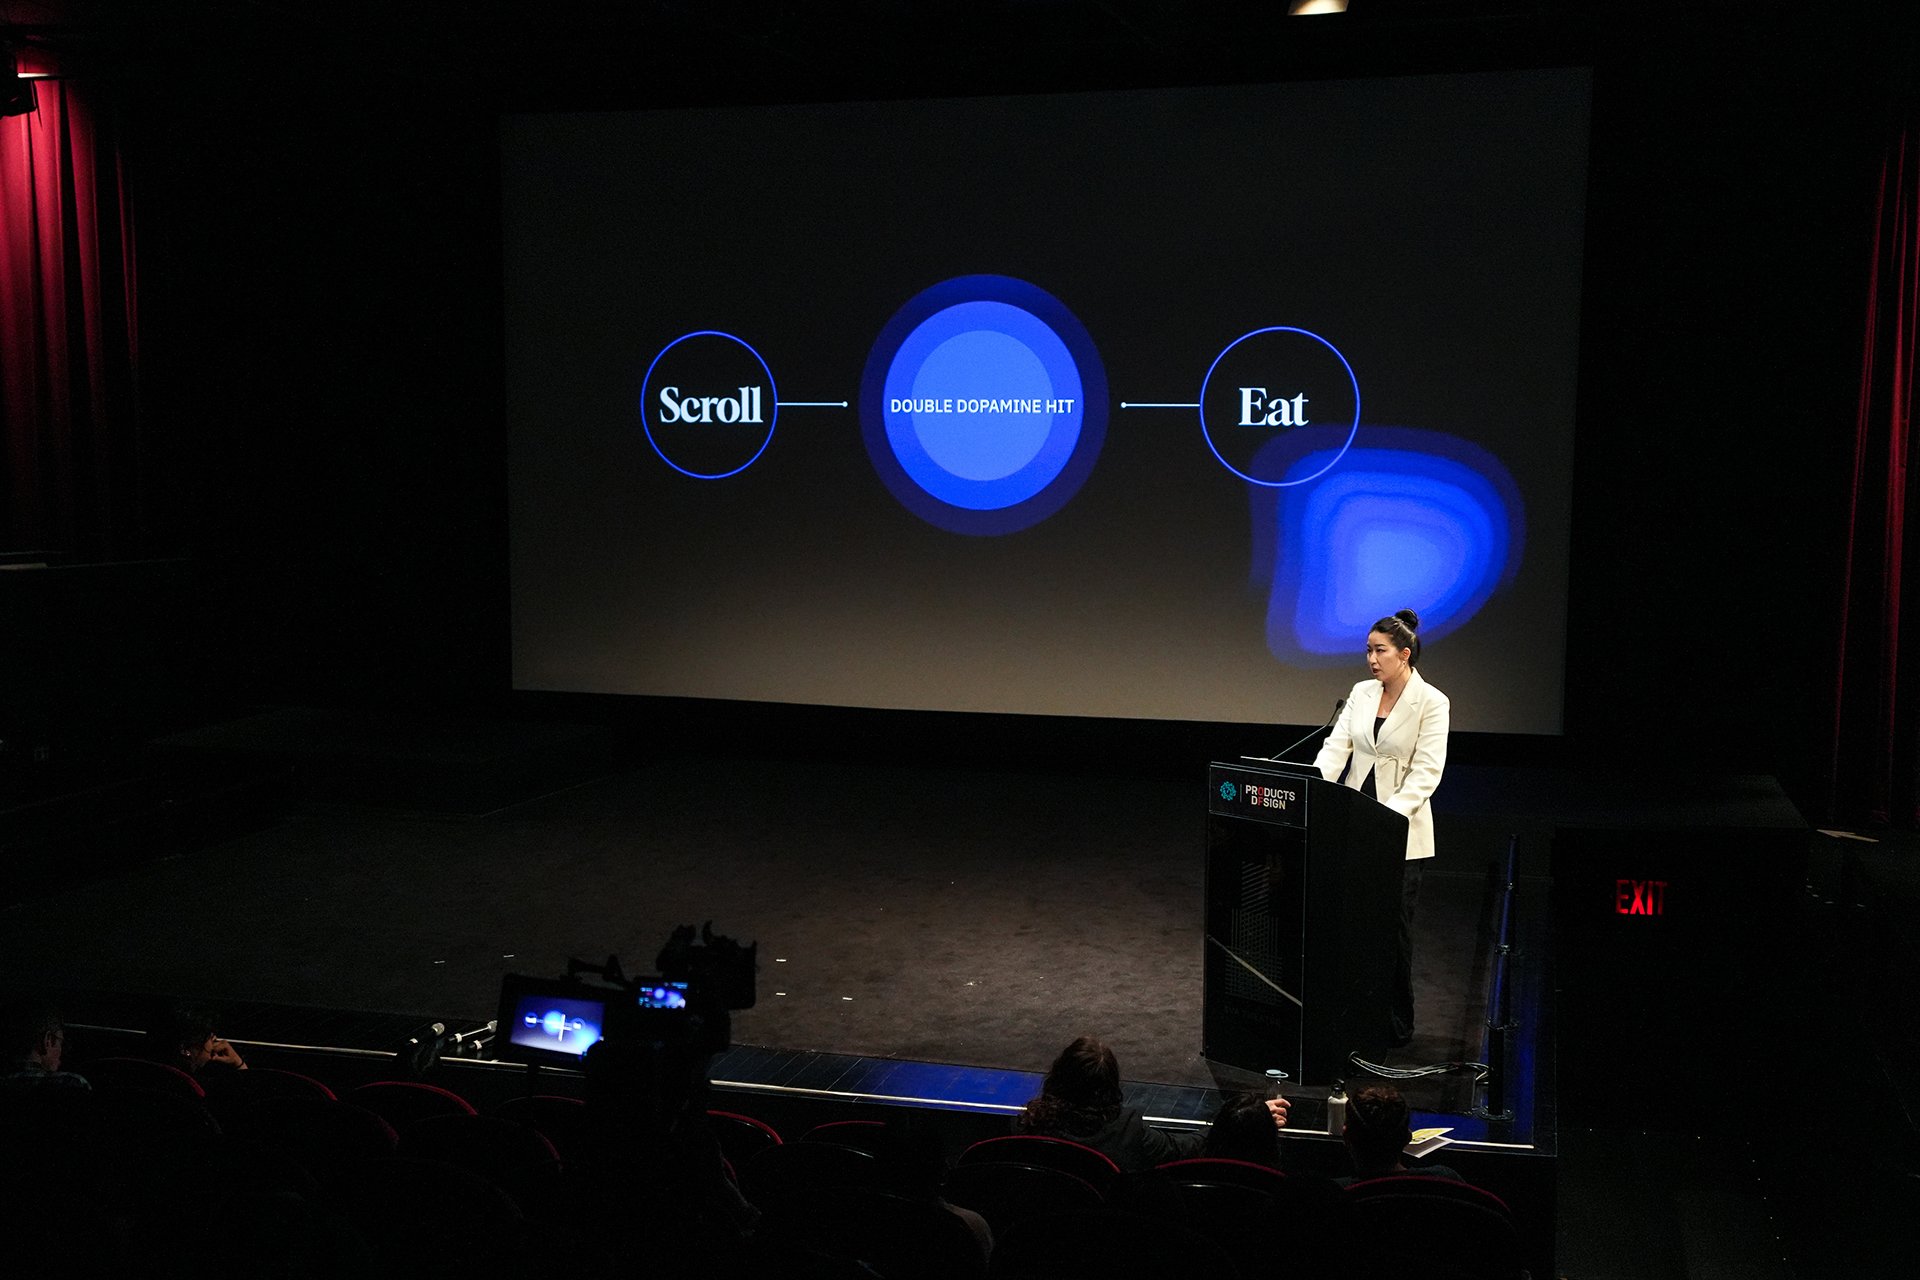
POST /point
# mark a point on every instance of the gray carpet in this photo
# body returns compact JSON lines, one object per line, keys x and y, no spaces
{"x":945,"y":915}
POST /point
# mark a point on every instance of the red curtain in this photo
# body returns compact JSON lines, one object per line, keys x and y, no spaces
{"x":1875,"y":748}
{"x":73,"y":474}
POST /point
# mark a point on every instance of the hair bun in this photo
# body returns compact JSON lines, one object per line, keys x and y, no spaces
{"x":1409,"y":617}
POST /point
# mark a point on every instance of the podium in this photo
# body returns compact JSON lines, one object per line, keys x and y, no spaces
{"x":1302,"y":907}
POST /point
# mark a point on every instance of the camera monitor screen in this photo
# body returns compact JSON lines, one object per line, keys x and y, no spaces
{"x":549,"y":1022}
{"x":553,"y":1022}
{"x":658,"y":993}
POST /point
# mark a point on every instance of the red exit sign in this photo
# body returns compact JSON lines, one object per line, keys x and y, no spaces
{"x":1640,"y":897}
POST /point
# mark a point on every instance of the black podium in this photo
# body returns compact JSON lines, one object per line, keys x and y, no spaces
{"x":1302,"y":904}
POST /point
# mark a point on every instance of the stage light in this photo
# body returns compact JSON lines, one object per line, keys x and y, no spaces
{"x":1301,"y":8}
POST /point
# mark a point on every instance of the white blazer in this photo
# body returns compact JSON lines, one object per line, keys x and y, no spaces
{"x":1410,"y":755}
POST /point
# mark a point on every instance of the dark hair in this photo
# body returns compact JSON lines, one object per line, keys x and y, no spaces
{"x":1403,"y":628}
{"x":1377,"y":1125}
{"x":1243,"y":1129}
{"x":24,"y":1026}
{"x":175,"y":1030}
{"x":1080,"y":1095}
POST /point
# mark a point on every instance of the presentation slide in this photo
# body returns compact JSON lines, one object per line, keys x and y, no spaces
{"x":1138,"y":404}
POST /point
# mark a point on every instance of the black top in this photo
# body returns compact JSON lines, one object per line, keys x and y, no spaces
{"x":1366,"y":787}
{"x":1133,"y":1144}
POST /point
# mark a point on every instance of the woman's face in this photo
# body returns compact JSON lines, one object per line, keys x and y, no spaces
{"x":1385,"y":662}
{"x":199,"y":1055}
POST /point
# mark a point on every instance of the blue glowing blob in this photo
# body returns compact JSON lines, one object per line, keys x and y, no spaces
{"x":1408,"y":519}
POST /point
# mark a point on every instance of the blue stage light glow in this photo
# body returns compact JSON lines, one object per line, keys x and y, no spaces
{"x":1409,"y":519}
{"x":983,"y":405}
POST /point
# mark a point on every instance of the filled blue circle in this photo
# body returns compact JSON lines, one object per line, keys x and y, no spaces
{"x":983,"y":405}
{"x":1010,"y":441}
{"x":982,"y":459}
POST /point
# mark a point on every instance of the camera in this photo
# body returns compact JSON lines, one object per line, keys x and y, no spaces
{"x":686,"y":1006}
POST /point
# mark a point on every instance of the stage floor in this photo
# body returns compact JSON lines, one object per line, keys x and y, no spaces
{"x":905,"y":915}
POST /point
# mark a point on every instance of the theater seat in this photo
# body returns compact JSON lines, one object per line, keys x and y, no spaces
{"x":867,"y":1135}
{"x":151,"y":1121}
{"x":564,"y":1121}
{"x":1449,"y":1229}
{"x":1106,"y":1246}
{"x":894,"y":1235}
{"x":139,"y":1073}
{"x":517,"y":1159}
{"x":1214,"y":1171}
{"x":231,"y":1091}
{"x":401,"y":1102}
{"x":1005,"y":1193}
{"x":793,"y":1171}
{"x":423,"y":1218}
{"x":1083,"y":1162}
{"x":328,"y":1138}
{"x":741,"y":1137}
{"x":1246,"y":1222}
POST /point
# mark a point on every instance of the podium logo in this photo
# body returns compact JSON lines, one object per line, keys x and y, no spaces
{"x":1271,"y":797}
{"x":1229,"y":792}
{"x":708,"y":405}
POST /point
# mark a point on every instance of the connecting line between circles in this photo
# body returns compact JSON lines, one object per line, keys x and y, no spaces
{"x":1143,"y":404}
{"x":809,"y":404}
{"x":1255,"y":972}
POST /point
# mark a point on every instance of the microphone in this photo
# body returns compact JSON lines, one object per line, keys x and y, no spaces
{"x":1339,"y":705}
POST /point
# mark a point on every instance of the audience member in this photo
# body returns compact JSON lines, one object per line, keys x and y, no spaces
{"x":1081,"y":1100}
{"x":1244,"y":1129}
{"x":32,"y":1040}
{"x":186,"y":1038}
{"x":1379,"y":1127}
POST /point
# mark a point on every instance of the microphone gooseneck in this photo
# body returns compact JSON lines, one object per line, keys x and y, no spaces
{"x":1339,"y":705}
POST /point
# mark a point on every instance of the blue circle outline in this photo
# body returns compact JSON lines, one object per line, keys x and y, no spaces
{"x":772,"y":394}
{"x":1206,"y":432}
{"x":1045,"y":308}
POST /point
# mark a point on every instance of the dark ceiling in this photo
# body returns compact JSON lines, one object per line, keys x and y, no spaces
{"x":585,"y":53}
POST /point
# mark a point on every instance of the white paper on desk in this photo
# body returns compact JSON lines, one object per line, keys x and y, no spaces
{"x":1427,"y":1141}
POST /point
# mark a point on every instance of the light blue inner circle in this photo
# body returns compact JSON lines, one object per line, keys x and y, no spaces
{"x":984,"y":445}
{"x":992,"y":457}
